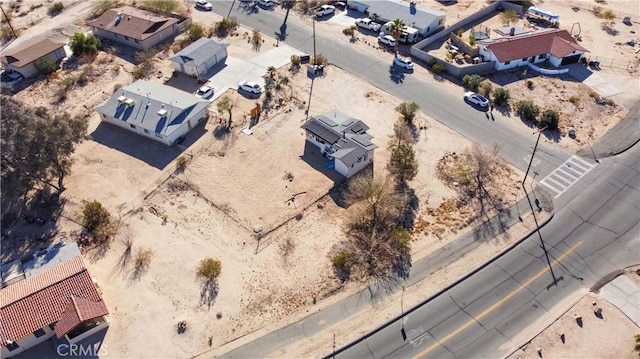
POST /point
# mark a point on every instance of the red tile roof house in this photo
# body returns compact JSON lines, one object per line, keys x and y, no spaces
{"x":136,"y":28}
{"x":60,"y":299}
{"x":556,"y":46}
{"x":22,"y":59}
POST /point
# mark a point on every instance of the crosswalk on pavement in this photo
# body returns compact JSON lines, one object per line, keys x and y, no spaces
{"x":565,"y":175}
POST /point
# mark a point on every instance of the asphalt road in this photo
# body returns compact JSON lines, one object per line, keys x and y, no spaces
{"x":594,"y":230}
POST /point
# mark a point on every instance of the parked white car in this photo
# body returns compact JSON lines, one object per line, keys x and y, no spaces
{"x":387,"y":40}
{"x":325,"y":10}
{"x":403,"y":62}
{"x":368,"y":24}
{"x":476,"y":99}
{"x":204,"y":5}
{"x":205,"y":92}
{"x":267,"y":4}
{"x":250,"y":87}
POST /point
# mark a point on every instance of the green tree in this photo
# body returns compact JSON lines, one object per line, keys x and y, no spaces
{"x":95,"y":216}
{"x":527,"y":110}
{"x":225,"y":26}
{"x":549,"y":119}
{"x":82,"y":44}
{"x":408,"y":110}
{"x":509,"y":17}
{"x":472,"y":40}
{"x":36,"y":147}
{"x":45,"y":65}
{"x":396,"y":27}
{"x":403,"y":164}
{"x":287,"y":5}
{"x":485,"y":89}
{"x":162,"y":7}
{"x":471,"y":82}
{"x":195,"y":31}
{"x":501,"y":96}
{"x":272,"y":72}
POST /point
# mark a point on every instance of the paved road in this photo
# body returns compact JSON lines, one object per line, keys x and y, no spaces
{"x":594,"y":231}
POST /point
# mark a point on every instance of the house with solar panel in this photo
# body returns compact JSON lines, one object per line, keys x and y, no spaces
{"x":52,"y":295}
{"x":158,"y":112}
{"x":343,"y":140}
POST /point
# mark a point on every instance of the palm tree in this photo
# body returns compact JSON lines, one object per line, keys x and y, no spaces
{"x":396,"y":28}
{"x":288,"y":5}
{"x":272,"y":72}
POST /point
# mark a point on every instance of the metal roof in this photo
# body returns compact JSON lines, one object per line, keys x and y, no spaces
{"x":199,"y":51}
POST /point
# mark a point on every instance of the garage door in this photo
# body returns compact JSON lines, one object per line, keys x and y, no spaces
{"x":570,"y":59}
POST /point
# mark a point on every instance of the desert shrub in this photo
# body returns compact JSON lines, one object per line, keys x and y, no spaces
{"x":439,"y":68}
{"x":256,"y":39}
{"x":407,"y":110}
{"x":115,"y":69}
{"x":575,"y":100}
{"x":195,"y":31}
{"x":348,"y":31}
{"x":143,"y":259}
{"x":341,"y":263}
{"x":472,"y":40}
{"x":55,"y":9}
{"x":608,"y":15}
{"x":225,"y":26}
{"x":163,"y":7}
{"x":320,"y":59}
{"x":527,"y":110}
{"x":117,"y":87}
{"x":181,"y":163}
{"x":209,"y":269}
{"x":6,"y":34}
{"x":460,"y":32}
{"x":295,"y":60}
{"x":485,"y":89}
{"x":501,"y":96}
{"x":82,"y":44}
{"x":45,"y":65}
{"x":529,"y":84}
{"x":549,"y":119}
{"x":431,"y":62}
{"x":103,"y":5}
{"x":138,"y":72}
{"x":472,"y":81}
{"x":597,"y":11}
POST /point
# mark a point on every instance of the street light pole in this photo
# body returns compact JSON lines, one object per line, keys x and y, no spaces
{"x":533,"y":154}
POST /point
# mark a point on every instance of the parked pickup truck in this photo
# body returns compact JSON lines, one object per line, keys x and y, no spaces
{"x":366,"y":23}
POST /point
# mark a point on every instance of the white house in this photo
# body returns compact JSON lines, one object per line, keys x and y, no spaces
{"x":343,"y":139}
{"x":134,"y":27}
{"x":515,"y":48}
{"x":156,"y":111}
{"x":197,"y":58}
{"x":22,"y":59}
{"x":53,"y":294}
{"x":426,"y":21}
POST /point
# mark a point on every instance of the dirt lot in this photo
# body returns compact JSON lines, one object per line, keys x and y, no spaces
{"x":230,"y":187}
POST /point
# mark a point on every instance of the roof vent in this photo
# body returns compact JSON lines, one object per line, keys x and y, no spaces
{"x":162,"y":112}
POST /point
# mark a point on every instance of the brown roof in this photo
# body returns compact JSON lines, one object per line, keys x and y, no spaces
{"x":559,"y":43}
{"x":39,"y":300}
{"x":134,"y":23}
{"x":77,"y":311}
{"x":29,"y":52}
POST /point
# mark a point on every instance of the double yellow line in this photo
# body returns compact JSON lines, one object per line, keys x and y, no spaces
{"x":498,"y":303}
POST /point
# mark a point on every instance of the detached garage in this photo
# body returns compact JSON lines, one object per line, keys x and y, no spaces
{"x":197,"y":58}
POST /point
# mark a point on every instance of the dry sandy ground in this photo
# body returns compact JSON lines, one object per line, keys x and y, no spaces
{"x":262,"y":286}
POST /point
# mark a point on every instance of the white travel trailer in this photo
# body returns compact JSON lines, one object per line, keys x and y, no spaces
{"x":408,"y":35}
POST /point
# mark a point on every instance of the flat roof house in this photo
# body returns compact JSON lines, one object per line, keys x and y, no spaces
{"x":343,"y":139}
{"x":156,"y":111}
{"x":51,"y":294}
{"x":134,"y":27}
{"x":197,"y":58}
{"x":516,"y":47}
{"x":22,"y":59}
{"x":427,"y":21}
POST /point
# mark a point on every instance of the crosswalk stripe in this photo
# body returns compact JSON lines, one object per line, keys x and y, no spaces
{"x":565,"y":175}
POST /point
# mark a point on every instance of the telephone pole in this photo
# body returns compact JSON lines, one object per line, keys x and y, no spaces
{"x":9,"y":23}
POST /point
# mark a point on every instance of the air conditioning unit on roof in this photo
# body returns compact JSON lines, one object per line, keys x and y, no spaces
{"x":122,"y":99}
{"x":130,"y":102}
{"x":162,"y":112}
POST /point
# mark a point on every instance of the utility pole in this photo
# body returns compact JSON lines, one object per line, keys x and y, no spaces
{"x":314,"y":39}
{"x":533,"y":154}
{"x":231,"y":8}
{"x":9,"y":23}
{"x":334,"y":345}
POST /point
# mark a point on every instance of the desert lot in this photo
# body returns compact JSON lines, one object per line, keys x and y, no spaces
{"x":269,"y":182}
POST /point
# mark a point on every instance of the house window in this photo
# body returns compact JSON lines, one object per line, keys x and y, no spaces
{"x":147,"y":131}
{"x":12,"y":346}
{"x":507,"y":63}
{"x":40,"y":332}
{"x":132,"y":126}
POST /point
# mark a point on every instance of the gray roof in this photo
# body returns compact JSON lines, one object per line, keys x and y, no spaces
{"x":391,"y":10}
{"x":42,"y":260}
{"x":198,"y":51}
{"x":348,"y":135}
{"x":156,"y":107}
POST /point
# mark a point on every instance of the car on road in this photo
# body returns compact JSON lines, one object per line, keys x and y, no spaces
{"x":266,"y":4}
{"x":249,"y":86}
{"x":205,"y":92}
{"x":325,"y":10}
{"x":403,"y":62}
{"x":204,"y":5}
{"x":387,"y":40}
{"x":476,"y":99}
{"x":367,"y":24}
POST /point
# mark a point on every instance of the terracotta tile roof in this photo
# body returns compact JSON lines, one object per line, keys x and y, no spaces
{"x":134,"y":23}
{"x":559,"y":43}
{"x":29,"y":52}
{"x":77,"y":311}
{"x":41,"y":299}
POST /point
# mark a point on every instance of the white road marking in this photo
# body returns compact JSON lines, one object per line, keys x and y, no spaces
{"x":571,"y":171}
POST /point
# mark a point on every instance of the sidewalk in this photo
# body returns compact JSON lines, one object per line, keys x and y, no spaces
{"x":617,"y":140}
{"x":491,"y":235}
